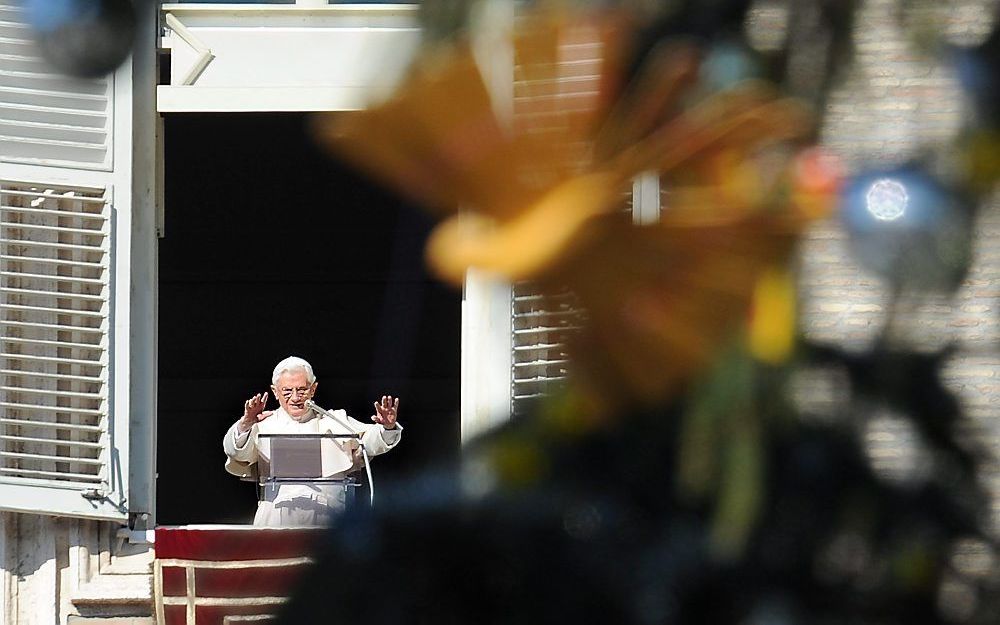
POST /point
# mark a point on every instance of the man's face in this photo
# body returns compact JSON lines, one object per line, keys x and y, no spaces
{"x":292,"y":391}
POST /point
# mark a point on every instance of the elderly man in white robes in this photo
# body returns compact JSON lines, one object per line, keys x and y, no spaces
{"x":302,"y":504}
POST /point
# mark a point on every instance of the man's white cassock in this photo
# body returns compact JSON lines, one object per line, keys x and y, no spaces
{"x":305,"y":504}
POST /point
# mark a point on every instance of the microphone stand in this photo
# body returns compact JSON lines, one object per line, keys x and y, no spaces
{"x":364,"y":452}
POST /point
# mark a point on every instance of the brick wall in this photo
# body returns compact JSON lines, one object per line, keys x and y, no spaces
{"x":895,"y":103}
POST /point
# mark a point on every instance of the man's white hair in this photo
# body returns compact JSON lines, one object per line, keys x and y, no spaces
{"x":293,"y":363}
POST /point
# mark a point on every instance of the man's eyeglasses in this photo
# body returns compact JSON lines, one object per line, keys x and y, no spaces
{"x":288,"y":393}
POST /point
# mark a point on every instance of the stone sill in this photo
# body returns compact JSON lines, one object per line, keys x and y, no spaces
{"x":116,"y":590}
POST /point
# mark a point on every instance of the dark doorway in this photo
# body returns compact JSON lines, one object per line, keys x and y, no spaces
{"x":272,"y":248}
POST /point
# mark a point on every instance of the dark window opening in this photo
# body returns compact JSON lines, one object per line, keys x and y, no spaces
{"x":274,"y":248}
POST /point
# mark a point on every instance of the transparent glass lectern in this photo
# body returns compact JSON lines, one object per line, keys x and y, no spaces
{"x":313,"y":459}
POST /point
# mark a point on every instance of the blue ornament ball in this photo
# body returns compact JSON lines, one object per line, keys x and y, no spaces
{"x":85,"y":38}
{"x":907,"y":227}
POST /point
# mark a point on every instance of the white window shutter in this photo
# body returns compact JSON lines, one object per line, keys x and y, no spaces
{"x":47,"y":117}
{"x":55,"y":249}
{"x":542,"y":325}
{"x":64,"y":282}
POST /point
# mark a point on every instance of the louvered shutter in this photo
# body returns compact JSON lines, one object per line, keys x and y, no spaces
{"x":62,"y":449}
{"x":47,"y":117}
{"x":542,"y":324}
{"x":54,"y":294}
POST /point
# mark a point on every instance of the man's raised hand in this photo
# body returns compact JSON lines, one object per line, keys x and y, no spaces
{"x":253,"y":412}
{"x":386,"y":412}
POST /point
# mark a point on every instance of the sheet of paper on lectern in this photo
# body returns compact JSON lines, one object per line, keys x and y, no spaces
{"x":293,"y":457}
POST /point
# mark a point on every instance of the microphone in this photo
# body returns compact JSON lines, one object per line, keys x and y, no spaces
{"x":364,"y":452}
{"x":310,"y":404}
{"x":326,"y":413}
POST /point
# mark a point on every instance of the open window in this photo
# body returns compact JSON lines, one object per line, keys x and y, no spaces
{"x":273,"y":248}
